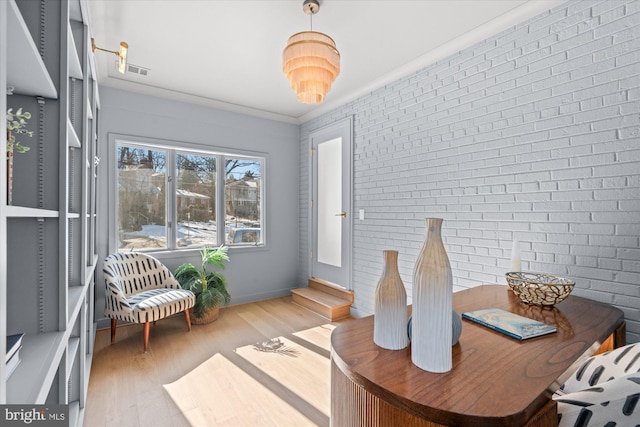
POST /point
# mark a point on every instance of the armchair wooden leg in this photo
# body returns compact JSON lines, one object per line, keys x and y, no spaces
{"x":187,"y":316}
{"x":113,"y":330}
{"x":146,"y":328}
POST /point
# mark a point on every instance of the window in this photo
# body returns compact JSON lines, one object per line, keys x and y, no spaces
{"x":242,"y":196}
{"x":196,"y":200}
{"x":197,"y":205}
{"x":142,"y":201}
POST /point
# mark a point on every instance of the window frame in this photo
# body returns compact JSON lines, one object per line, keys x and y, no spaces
{"x":173,"y":148}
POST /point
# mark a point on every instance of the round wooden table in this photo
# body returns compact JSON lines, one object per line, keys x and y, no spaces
{"x":495,"y":381}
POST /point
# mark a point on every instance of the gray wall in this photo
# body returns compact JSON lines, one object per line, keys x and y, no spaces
{"x":533,"y":134}
{"x":253,"y":273}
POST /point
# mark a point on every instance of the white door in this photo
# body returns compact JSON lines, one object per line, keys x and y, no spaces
{"x":331,"y":203}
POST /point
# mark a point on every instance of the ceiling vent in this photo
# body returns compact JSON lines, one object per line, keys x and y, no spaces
{"x":136,"y":69}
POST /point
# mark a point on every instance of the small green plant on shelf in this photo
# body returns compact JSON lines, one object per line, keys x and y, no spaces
{"x":210,"y":287}
{"x":16,"y":125}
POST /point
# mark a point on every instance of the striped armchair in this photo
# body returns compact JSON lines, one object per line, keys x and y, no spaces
{"x":139,"y":289}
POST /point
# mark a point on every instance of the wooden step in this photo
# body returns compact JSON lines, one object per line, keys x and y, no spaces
{"x":324,"y":300}
{"x":330,"y":288}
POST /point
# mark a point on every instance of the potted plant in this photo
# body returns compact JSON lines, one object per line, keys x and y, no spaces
{"x":210,"y":287}
{"x":16,"y":124}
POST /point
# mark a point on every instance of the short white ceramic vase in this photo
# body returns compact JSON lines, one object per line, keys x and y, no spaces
{"x":390,"y":315}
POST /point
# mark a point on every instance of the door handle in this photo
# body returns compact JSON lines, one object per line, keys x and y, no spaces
{"x":342,"y":214}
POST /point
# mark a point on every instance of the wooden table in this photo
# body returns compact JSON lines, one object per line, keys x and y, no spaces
{"x":495,"y":380}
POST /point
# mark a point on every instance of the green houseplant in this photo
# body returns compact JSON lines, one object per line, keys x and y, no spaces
{"x":16,"y":125}
{"x":210,"y":287}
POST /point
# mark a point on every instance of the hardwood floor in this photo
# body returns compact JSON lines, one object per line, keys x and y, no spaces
{"x":260,"y":364}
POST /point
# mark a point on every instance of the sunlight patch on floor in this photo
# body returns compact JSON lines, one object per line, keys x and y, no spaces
{"x":319,"y":336}
{"x":302,"y":371}
{"x":220,"y":393}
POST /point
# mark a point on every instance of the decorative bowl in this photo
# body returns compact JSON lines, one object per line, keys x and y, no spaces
{"x":539,"y":288}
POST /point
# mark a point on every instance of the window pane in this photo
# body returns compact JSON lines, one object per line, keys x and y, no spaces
{"x":330,"y":202}
{"x":141,"y":199}
{"x":243,"y":195}
{"x":196,"y":200}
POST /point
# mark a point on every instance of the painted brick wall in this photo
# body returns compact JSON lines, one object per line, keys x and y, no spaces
{"x":533,"y":134}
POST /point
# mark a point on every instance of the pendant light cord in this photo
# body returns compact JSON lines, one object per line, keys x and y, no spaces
{"x":309,"y":9}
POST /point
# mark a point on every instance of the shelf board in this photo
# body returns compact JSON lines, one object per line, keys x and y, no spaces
{"x":74,"y":344}
{"x":76,"y":298}
{"x":26,"y":71}
{"x":75,"y":69}
{"x":97,"y":95}
{"x":23,"y":212}
{"x":74,"y":414}
{"x":88,"y":362}
{"x":90,"y":346}
{"x":73,"y":215}
{"x":92,"y":66}
{"x":72,"y":136}
{"x":89,"y":272}
{"x":90,"y":109}
{"x":75,"y":11}
{"x":32,"y":379}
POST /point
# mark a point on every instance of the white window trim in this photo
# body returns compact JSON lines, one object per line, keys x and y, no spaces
{"x":162,"y":144}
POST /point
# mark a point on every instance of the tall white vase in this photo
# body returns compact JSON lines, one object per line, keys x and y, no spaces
{"x":390,"y":316}
{"x":432,"y":296}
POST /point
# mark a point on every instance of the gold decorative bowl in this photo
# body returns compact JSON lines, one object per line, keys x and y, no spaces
{"x":539,"y":288}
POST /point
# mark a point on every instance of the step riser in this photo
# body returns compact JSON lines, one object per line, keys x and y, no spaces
{"x":341,"y":312}
{"x":335,"y":312}
{"x":321,"y":286}
{"x":312,"y":305}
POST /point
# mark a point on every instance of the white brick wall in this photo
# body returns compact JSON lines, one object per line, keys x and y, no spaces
{"x":533,"y":134}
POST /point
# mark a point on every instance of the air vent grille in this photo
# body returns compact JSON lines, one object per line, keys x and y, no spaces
{"x":136,"y":69}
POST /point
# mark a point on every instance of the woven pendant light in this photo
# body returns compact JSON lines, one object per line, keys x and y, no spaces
{"x":310,"y":61}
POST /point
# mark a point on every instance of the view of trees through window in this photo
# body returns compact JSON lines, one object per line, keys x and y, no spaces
{"x":142,"y":207}
{"x":145,"y":218}
{"x":196,"y":200}
{"x":242,"y":196}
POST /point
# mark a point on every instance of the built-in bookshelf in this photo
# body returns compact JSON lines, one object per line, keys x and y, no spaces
{"x":48,"y":249}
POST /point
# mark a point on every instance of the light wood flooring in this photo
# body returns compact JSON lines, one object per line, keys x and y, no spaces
{"x":260,"y":364}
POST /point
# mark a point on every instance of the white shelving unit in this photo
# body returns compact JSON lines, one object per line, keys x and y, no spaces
{"x":75,"y":69}
{"x":48,"y":252}
{"x":22,"y":212}
{"x":29,"y":76}
{"x":74,"y":141}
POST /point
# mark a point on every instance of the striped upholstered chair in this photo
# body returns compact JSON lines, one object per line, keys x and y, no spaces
{"x":139,"y":289}
{"x":604,"y":391}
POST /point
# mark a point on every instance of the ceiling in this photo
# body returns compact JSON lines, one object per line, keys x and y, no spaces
{"x":227,"y":54}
